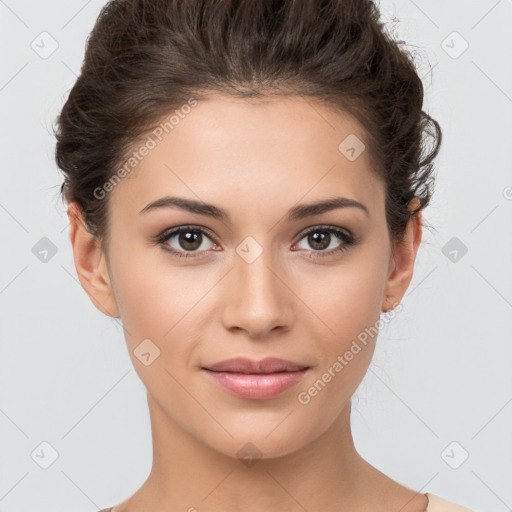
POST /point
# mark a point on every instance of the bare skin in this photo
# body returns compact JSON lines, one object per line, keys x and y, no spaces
{"x":256,"y":161}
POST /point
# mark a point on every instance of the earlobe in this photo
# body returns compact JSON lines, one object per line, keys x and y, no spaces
{"x":403,"y":259}
{"x":90,"y":263}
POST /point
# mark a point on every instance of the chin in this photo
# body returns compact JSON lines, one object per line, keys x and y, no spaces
{"x":253,"y":440}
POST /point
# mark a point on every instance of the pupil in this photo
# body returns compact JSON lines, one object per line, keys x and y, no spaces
{"x":190,"y":240}
{"x":317,"y":238}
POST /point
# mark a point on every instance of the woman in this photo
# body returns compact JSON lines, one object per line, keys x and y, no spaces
{"x":245,"y":184}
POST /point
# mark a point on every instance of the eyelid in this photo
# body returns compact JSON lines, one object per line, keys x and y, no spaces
{"x":170,"y":232}
{"x":326,"y":227}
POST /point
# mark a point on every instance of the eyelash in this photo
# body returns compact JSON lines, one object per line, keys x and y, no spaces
{"x":348,"y":240}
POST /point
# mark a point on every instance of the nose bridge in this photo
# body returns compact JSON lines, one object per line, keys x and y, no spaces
{"x":258,"y":299}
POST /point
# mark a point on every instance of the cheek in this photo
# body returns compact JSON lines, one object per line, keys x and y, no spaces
{"x":156,"y":303}
{"x":144,"y":305}
{"x":346,"y":298}
{"x":348,"y":305}
{"x":156,"y":299}
{"x":347,"y":302}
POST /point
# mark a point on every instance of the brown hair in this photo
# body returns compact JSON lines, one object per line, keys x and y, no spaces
{"x":147,"y":58}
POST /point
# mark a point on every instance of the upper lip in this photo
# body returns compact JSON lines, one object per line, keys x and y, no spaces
{"x":246,"y":365}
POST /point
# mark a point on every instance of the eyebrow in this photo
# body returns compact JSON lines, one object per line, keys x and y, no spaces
{"x":296,"y":213}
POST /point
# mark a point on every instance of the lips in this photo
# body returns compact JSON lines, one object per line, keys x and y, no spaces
{"x":255,"y":380}
{"x":246,"y":365}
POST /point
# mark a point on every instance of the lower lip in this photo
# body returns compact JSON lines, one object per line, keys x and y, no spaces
{"x":255,"y":386}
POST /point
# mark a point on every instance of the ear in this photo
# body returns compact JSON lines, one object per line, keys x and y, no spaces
{"x":91,"y":263}
{"x":402,"y":261}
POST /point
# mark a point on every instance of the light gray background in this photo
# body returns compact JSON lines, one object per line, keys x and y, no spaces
{"x":441,"y":372}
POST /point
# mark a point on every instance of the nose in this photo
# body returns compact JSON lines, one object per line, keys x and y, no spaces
{"x":257,"y":299}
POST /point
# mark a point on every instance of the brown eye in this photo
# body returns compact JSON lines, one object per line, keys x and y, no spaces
{"x":322,"y":238}
{"x":184,"y":241}
{"x":190,"y":240}
{"x":318,"y":240}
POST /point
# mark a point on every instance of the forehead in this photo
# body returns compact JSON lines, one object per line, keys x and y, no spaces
{"x":253,"y":155}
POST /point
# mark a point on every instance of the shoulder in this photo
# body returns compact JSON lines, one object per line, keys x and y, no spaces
{"x":438,"y":504}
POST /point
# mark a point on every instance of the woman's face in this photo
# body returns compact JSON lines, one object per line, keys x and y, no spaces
{"x":252,"y":283}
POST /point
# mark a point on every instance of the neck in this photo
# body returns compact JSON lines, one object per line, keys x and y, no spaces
{"x":327,"y":474}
